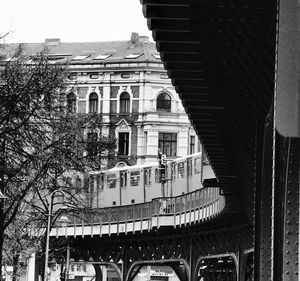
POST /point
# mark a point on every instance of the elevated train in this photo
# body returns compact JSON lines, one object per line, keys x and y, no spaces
{"x":141,"y":183}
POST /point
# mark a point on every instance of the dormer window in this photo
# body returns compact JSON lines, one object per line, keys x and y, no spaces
{"x":124,"y":103}
{"x":71,"y":102}
{"x":102,"y":57}
{"x":133,"y":56}
{"x":80,"y":57}
{"x":163,"y":102}
{"x":93,"y":103}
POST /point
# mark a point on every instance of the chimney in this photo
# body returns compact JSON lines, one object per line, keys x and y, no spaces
{"x":134,"y":38}
{"x":143,"y":39}
{"x":52,"y":41}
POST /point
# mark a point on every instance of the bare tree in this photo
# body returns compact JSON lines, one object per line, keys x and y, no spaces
{"x":41,"y":141}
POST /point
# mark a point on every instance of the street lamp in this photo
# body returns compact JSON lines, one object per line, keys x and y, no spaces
{"x":48,"y":230}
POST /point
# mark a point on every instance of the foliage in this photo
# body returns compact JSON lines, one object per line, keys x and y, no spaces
{"x":18,"y":244}
{"x":41,"y":142}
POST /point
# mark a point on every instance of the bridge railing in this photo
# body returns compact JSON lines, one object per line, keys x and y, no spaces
{"x":192,"y":207}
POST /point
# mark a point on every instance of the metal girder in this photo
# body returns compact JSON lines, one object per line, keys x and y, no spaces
{"x":193,"y":67}
{"x":187,"y":75}
{"x":166,"y":2}
{"x":189,"y":83}
{"x":221,"y":53}
{"x":182,"y":25}
{"x":195,"y":98}
{"x":291,"y":212}
{"x":166,"y":12}
{"x":186,"y":47}
{"x":183,"y":58}
{"x":182,"y":37}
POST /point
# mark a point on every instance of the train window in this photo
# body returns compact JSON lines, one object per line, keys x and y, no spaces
{"x":123,"y":179}
{"x":157,"y":176}
{"x":167,"y":172}
{"x":114,"y":203}
{"x":181,"y":170}
{"x":134,"y":178}
{"x":197,"y":165}
{"x":205,"y":159}
{"x":100,"y":181}
{"x":189,"y":167}
{"x":173,"y":173}
{"x":92,"y":182}
{"x":147,"y":176}
{"x":192,"y":144}
{"x":132,"y":201}
{"x":111,"y":181}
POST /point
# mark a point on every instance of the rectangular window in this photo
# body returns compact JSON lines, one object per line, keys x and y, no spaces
{"x":205,"y":160}
{"x":199,"y":146}
{"x":198,"y":165}
{"x":123,"y":143}
{"x":125,"y":106}
{"x":111,"y":181}
{"x":147,"y":176}
{"x":92,"y":140}
{"x":180,"y":168}
{"x":167,"y":143}
{"x":100,"y":182}
{"x":134,"y":178}
{"x":189,"y":167}
{"x":123,"y":179}
{"x":192,"y":144}
{"x":157,"y":172}
{"x":173,"y":167}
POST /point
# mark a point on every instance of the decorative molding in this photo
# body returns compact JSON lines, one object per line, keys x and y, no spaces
{"x":122,"y":125}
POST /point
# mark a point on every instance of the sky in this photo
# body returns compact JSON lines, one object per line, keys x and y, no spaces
{"x":30,"y":21}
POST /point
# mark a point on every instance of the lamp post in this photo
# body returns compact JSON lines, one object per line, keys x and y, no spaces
{"x":48,"y":231}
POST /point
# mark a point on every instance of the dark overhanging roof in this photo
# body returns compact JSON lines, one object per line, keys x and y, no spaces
{"x":220,"y":55}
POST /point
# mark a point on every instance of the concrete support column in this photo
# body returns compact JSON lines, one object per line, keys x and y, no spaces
{"x":98,"y":272}
{"x":125,"y":264}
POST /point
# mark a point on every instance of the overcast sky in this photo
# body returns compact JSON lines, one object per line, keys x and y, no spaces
{"x":71,"y":20}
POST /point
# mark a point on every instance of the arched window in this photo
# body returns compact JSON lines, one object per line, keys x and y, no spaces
{"x":124,"y":103}
{"x":163,"y":102}
{"x":71,"y":102}
{"x":93,"y":103}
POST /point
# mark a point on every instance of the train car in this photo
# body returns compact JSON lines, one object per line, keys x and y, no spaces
{"x":141,"y":183}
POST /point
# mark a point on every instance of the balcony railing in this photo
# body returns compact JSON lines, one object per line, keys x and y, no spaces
{"x":195,"y":207}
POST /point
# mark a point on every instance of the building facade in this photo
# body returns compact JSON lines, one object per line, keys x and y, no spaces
{"x":125,"y":88}
{"x":126,"y":84}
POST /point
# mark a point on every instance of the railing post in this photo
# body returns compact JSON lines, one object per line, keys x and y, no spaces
{"x":199,"y":207}
{"x":118,"y":222}
{"x":174,"y":211}
{"x":141,"y":206}
{"x":126,"y":219}
{"x":158,"y":207}
{"x":82,"y":223}
{"x":109,"y":221}
{"x":92,"y":226}
{"x":185,"y":199}
{"x":149,"y":217}
{"x":133,"y":219}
